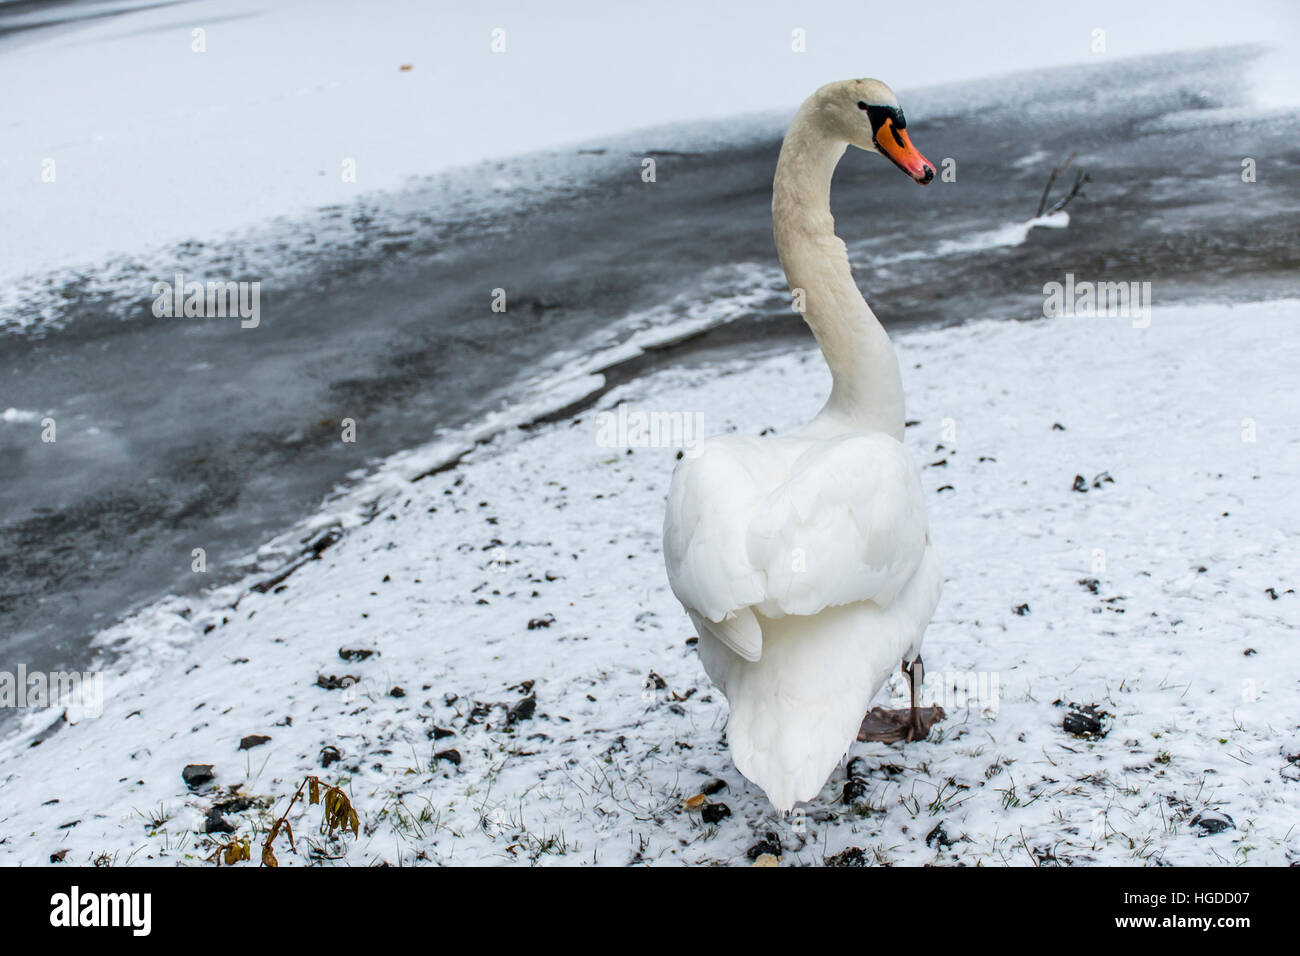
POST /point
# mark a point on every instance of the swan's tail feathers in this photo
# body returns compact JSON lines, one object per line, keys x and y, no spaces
{"x":796,"y":711}
{"x":740,"y":632}
{"x":798,"y":686}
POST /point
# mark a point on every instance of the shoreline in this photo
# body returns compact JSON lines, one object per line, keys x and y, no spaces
{"x":147,"y":468}
{"x":429,"y":553}
{"x":559,"y":398}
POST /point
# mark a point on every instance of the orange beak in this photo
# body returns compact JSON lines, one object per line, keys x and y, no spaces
{"x":896,"y":145}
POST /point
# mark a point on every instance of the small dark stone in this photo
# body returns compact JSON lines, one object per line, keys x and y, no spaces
{"x":713,"y":786}
{"x":328,"y":539}
{"x":771,"y":843}
{"x":854,"y":785}
{"x":438,"y":733}
{"x":1212,"y":821}
{"x":1081,"y":484}
{"x":214,"y":822}
{"x":197,"y":774}
{"x":397,"y":692}
{"x":451,"y":756}
{"x":253,"y":740}
{"x":234,"y":804}
{"x":1058,"y":427}
{"x":715,"y":812}
{"x":329,"y":754}
{"x":537,"y":623}
{"x":336,"y":683}
{"x":1090,"y":584}
{"x":1021,"y":610}
{"x":1086,"y":721}
{"x":523,"y":710}
{"x":850,"y":856}
{"x":353,"y":654}
{"x":655,"y":681}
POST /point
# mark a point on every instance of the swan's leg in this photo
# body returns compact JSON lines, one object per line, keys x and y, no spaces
{"x":921,"y":718}
{"x":910,"y":724}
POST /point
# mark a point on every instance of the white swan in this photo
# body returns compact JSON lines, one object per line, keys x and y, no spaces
{"x":805,"y":561}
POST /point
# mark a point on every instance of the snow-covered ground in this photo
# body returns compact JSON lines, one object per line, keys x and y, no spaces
{"x":531,"y":569}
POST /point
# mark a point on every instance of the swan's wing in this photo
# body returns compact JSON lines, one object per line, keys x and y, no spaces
{"x":848,"y":524}
{"x":746,"y":529}
{"x":713,"y":497}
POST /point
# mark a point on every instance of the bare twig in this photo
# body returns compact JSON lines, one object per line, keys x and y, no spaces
{"x":1081,"y":178}
{"x":268,"y":855}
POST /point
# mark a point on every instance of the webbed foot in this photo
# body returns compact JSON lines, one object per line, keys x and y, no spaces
{"x":904,"y":723}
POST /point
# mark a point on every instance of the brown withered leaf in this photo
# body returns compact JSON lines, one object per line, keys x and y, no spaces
{"x":236,"y":851}
{"x":339,"y":814}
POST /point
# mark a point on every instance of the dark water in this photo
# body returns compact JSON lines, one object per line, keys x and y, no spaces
{"x":175,"y":434}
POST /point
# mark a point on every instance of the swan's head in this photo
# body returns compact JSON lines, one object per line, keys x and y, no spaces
{"x":866,"y":114}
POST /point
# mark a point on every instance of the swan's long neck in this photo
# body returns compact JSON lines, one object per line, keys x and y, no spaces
{"x":867,"y":390}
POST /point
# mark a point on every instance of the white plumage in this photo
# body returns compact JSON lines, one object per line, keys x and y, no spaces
{"x":804,"y":561}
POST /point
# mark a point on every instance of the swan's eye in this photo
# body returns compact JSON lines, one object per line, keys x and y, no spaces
{"x":878,"y":114}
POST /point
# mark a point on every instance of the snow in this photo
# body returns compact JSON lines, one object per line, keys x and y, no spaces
{"x":1010,"y":234}
{"x":1147,"y":596}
